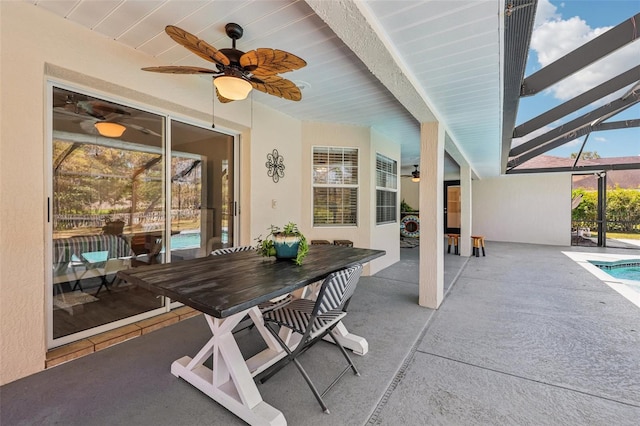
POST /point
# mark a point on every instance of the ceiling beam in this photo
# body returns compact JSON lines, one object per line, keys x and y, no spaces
{"x":599,"y":114}
{"x":594,"y":168}
{"x":599,"y":47}
{"x":626,"y":124}
{"x":358,"y":28}
{"x":598,"y":92}
{"x":518,"y":28}
{"x":348,"y":21}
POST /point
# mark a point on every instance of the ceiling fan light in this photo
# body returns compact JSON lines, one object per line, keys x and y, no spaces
{"x":109,"y":129}
{"x":231,"y":87}
{"x":415,"y":179}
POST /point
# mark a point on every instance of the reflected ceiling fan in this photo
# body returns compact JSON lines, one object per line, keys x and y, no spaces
{"x":238,"y":72}
{"x":415,"y":175}
{"x":99,"y":115}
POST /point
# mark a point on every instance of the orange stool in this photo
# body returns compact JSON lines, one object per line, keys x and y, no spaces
{"x":478,"y":241}
{"x":452,"y":239}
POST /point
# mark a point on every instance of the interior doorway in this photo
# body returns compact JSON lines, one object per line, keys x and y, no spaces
{"x":452,"y":207}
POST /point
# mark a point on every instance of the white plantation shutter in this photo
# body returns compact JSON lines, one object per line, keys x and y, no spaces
{"x":386,"y":189}
{"x":335,"y":186}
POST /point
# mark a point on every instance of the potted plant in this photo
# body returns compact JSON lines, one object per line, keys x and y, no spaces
{"x":112,"y":227}
{"x":285,"y":243}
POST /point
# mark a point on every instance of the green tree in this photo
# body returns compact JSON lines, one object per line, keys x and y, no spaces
{"x":586,"y":155}
{"x":623,"y":209}
{"x":587,"y":210}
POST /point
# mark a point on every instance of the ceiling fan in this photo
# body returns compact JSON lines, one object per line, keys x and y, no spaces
{"x":238,"y":72}
{"x":101,"y":116}
{"x":415,"y":175}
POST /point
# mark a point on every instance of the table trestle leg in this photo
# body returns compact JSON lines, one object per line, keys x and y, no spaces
{"x":230,"y":383}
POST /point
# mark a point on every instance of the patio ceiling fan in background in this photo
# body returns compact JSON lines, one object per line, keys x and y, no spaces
{"x":238,"y":72}
{"x":415,"y":175}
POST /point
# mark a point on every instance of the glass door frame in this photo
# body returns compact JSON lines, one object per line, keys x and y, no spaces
{"x":447,"y":184}
{"x":52,"y":82}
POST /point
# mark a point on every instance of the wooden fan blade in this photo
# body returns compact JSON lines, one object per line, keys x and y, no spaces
{"x":196,"y":45}
{"x":277,"y":86}
{"x":143,"y":130}
{"x":222,"y":99}
{"x":175,"y":69}
{"x":263,"y":62}
{"x":97,"y":109}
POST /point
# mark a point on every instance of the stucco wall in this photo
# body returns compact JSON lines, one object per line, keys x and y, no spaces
{"x":273,"y":130}
{"x":326,"y":134}
{"x":410,"y":192}
{"x":386,"y":236}
{"x":27,"y":59}
{"x":366,"y":233}
{"x":523,"y":208}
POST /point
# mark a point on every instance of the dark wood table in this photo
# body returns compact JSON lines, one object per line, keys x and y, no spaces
{"x":226,"y":289}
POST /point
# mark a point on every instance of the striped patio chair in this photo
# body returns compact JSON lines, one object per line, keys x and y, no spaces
{"x":230,"y":250}
{"x":313,"y":320}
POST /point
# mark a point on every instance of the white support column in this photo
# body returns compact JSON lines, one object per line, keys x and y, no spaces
{"x":431,"y":281}
{"x":465,"y":213}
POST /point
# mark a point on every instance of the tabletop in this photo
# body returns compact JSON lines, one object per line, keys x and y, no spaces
{"x":223,"y":285}
{"x":95,"y":257}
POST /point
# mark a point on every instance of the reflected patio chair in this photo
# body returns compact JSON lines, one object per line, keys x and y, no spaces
{"x":314,"y":320}
{"x":266,"y":306}
{"x":110,"y":267}
{"x":150,"y":258}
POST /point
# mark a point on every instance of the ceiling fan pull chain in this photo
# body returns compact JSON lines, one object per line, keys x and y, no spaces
{"x":213,"y":105}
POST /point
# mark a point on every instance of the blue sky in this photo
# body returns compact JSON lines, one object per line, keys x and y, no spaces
{"x":562,"y":26}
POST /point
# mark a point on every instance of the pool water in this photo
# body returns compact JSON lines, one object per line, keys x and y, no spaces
{"x":622,"y":269}
{"x":185,"y":240}
{"x":627,"y":273}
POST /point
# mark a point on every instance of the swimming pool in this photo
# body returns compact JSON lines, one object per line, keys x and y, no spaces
{"x":191,"y":239}
{"x":185,"y":240}
{"x":620,"y":272}
{"x":623,"y":269}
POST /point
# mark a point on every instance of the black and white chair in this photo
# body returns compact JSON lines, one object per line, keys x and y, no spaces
{"x":314,"y":320}
{"x":268,"y":305}
{"x":230,"y":250}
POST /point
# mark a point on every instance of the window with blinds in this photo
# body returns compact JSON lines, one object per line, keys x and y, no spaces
{"x":386,"y":189}
{"x":335,"y":186}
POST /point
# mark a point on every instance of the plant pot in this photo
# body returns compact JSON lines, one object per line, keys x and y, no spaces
{"x":286,"y":246}
{"x":113,"y":228}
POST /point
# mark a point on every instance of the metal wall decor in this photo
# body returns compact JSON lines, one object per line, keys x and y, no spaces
{"x":275,"y":165}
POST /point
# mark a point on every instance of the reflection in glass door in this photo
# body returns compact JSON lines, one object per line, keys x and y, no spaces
{"x":201,"y":191}
{"x":452,"y":204}
{"x":106,"y":210}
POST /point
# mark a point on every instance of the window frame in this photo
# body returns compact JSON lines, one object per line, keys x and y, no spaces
{"x":386,"y":189}
{"x":355,"y":186}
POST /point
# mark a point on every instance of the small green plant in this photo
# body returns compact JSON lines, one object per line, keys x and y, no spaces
{"x":404,"y":207}
{"x":267,"y":246}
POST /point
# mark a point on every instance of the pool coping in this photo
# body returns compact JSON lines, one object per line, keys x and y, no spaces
{"x":619,"y":285}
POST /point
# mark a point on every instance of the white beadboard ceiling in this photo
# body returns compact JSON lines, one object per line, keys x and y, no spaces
{"x":388,"y":64}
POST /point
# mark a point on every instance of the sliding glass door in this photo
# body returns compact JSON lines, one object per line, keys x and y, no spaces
{"x":202,"y":184}
{"x":117,"y":202}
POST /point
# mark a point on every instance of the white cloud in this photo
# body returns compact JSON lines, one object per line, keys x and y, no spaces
{"x":545,"y":12}
{"x":600,"y":139}
{"x":541,"y":131}
{"x":554,"y":37}
{"x":574,"y":142}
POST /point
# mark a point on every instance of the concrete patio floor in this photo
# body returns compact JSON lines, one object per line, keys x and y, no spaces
{"x":525,"y":336}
